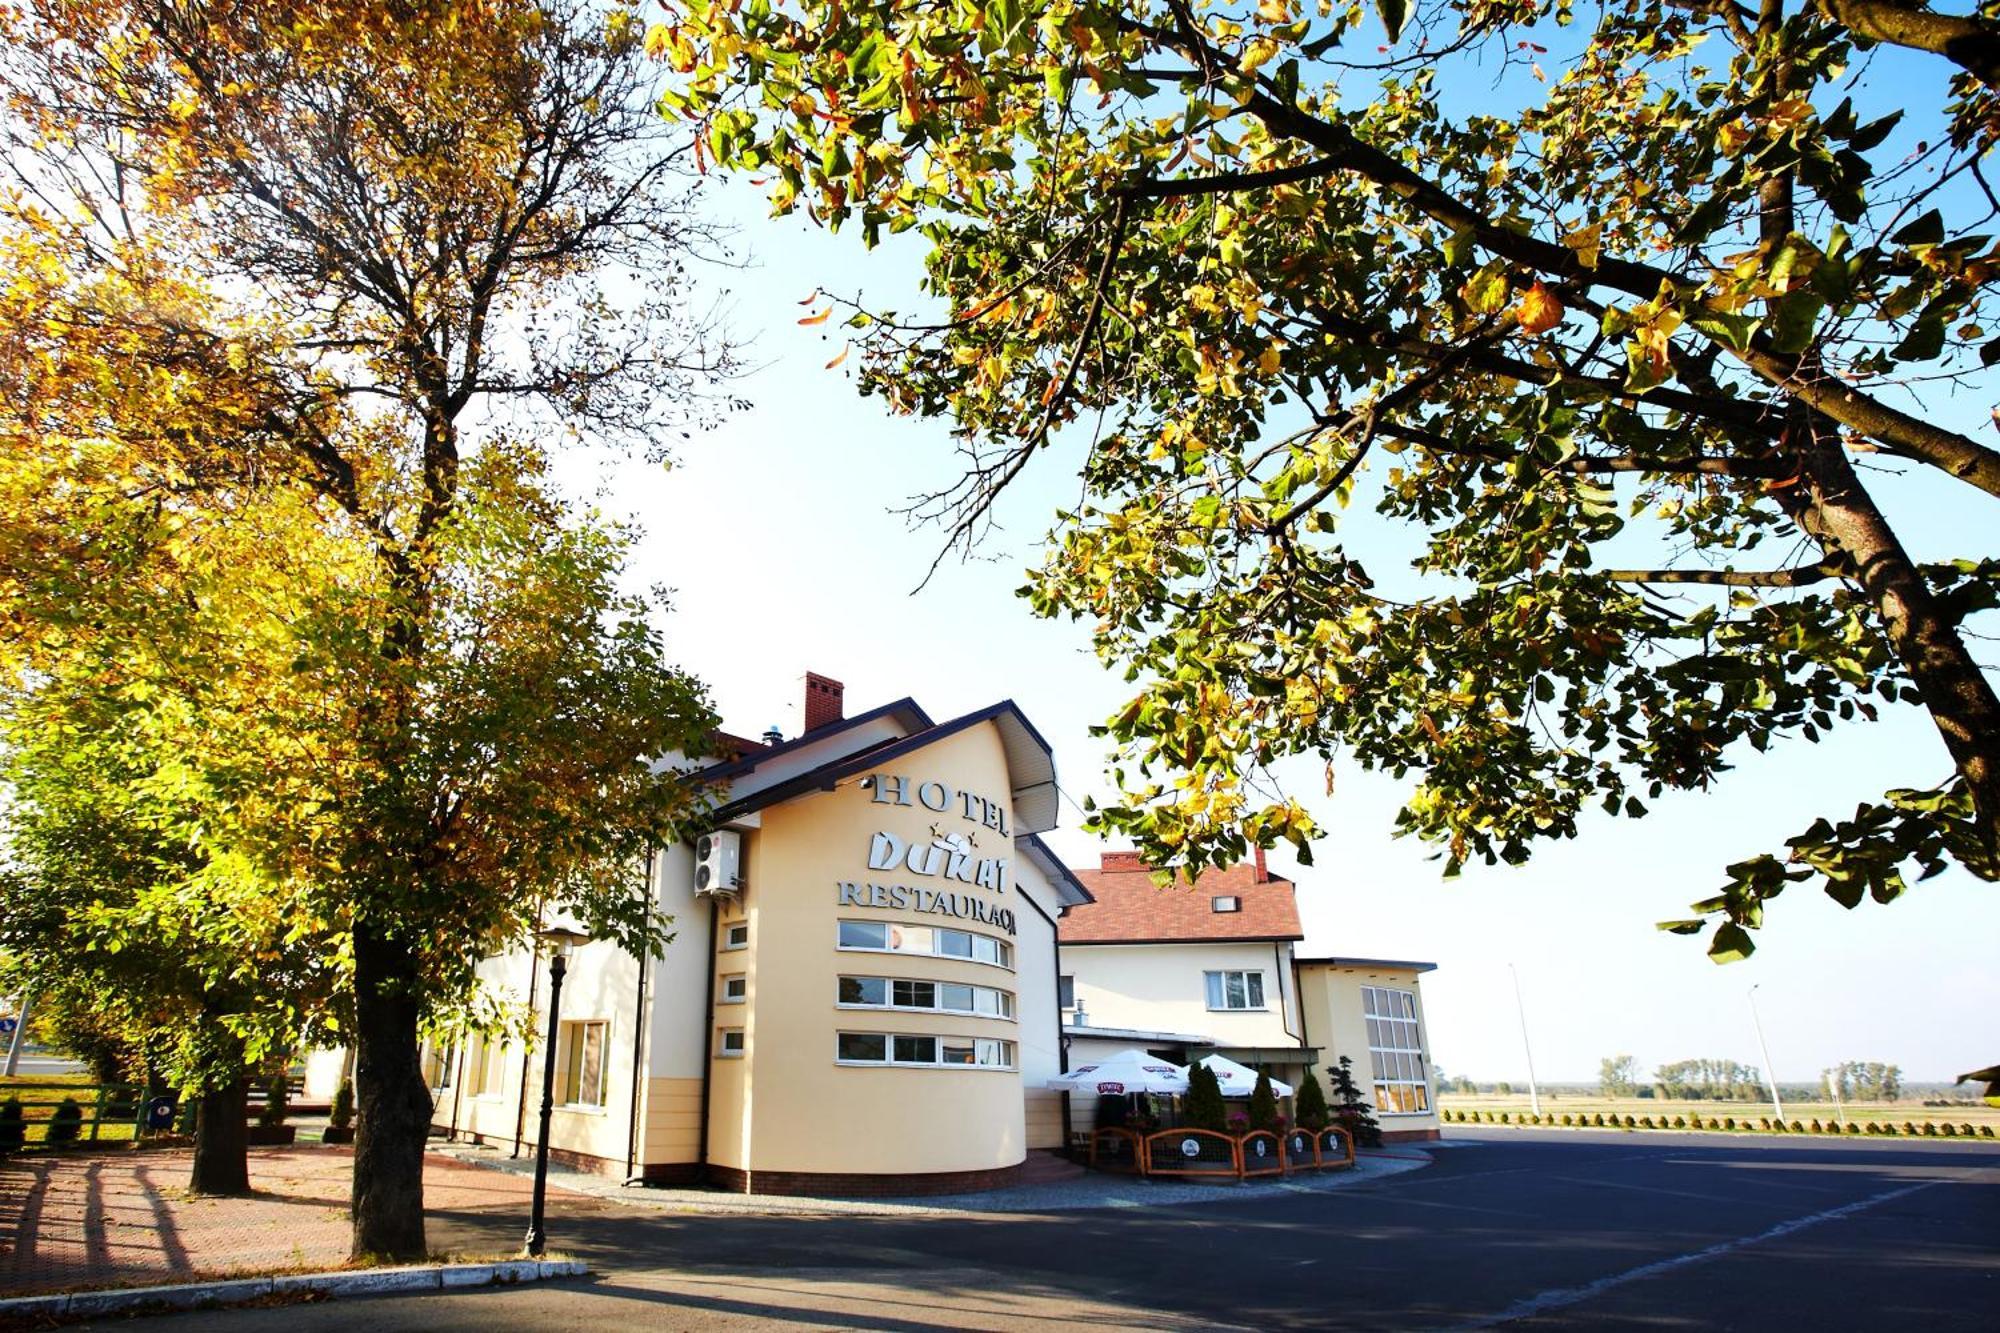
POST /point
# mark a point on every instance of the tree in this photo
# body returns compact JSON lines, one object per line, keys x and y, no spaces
{"x":1866,"y":1081}
{"x":1310,"y":1108}
{"x":419,"y":233}
{"x":1263,"y":1104}
{"x":1503,"y":1088}
{"x":1205,"y":1108}
{"x":1617,"y":1076}
{"x":1675,"y":282}
{"x":1351,"y":1110}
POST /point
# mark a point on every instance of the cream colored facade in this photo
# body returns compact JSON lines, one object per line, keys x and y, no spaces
{"x":1337,"y":1021}
{"x":748,"y":1056}
{"x":1163,"y":988}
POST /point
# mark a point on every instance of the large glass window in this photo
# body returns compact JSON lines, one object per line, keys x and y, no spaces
{"x":486,"y":1069}
{"x":879,"y":1048}
{"x":580,"y":1062}
{"x":1235,"y":990}
{"x":936,"y":941}
{"x":934,"y":996}
{"x":1066,"y":992}
{"x":1401,"y":1085}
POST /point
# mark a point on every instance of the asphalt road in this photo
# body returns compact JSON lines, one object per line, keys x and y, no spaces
{"x":1516,"y":1228}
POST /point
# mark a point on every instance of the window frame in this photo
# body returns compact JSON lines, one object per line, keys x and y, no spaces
{"x":1008,"y":1004}
{"x":730,"y":944}
{"x":1002,"y":950}
{"x":1215,"y":985}
{"x":722,"y":1036}
{"x":728,"y":979}
{"x":1398,"y":1071}
{"x":1004,"y":1048}
{"x":572,"y":1039}
{"x":1234,"y":900}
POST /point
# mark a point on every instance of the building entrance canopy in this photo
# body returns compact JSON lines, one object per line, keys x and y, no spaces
{"x":1127,"y":1071}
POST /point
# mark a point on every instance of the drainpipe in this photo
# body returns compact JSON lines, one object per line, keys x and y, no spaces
{"x":457,"y":1091}
{"x":708,"y":1037}
{"x":639,"y":1029}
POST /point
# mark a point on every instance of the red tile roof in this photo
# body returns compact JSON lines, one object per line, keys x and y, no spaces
{"x":1131,"y":909}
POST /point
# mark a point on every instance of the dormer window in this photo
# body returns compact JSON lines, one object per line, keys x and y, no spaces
{"x":1226,"y":904}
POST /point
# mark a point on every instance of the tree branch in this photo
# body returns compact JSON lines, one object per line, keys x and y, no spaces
{"x":1971,"y":43}
{"x":1798,"y":577}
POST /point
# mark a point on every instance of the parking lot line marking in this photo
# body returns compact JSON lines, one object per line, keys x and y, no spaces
{"x":1561,"y":1297}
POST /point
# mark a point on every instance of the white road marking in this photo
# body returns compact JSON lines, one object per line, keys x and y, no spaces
{"x":1566,"y":1296}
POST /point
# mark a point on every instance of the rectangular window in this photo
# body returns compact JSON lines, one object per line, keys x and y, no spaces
{"x":1066,"y":992}
{"x":580,"y":1062}
{"x":730,"y":1047}
{"x":1235,"y":990}
{"x":438,"y":1064}
{"x":872,"y":1046}
{"x":939,"y":942}
{"x":913,"y":994}
{"x":486,"y":1068}
{"x":864,"y":990}
{"x":735,"y":988}
{"x":1395,"y":1050}
{"x":958,"y":999}
{"x":736,"y":936}
{"x":1226,"y":904}
{"x":877,"y":1048}
{"x":949,"y":997}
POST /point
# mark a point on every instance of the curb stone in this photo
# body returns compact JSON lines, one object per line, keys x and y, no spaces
{"x":230,"y":1291}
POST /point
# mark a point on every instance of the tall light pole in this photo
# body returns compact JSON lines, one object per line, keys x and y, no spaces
{"x":1770,"y":1075}
{"x":560,"y":942}
{"x":1534,"y":1091}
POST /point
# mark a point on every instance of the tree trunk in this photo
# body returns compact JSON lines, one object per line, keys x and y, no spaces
{"x":392,"y":1105}
{"x":1839,"y":513}
{"x":221,"y":1143}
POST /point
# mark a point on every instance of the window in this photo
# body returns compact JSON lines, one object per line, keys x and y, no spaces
{"x":736,"y":936}
{"x":735,"y":988}
{"x":1065,"y":992}
{"x":439,"y":1062}
{"x":730,"y":1045}
{"x":1402,"y":1087}
{"x":580,"y":1063}
{"x":938,"y":942}
{"x":880,"y":1048}
{"x":948,"y":997}
{"x":486,"y":1068}
{"x":1235,"y":990}
{"x":1230,"y":903}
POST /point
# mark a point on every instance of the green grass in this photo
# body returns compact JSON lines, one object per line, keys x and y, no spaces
{"x":1914,"y":1112}
{"x":41,"y":1094}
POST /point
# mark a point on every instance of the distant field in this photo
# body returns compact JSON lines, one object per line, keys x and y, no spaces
{"x":1964,"y":1113}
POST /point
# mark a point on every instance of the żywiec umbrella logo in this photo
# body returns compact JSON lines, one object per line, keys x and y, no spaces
{"x":1111,"y":1089}
{"x":1190,"y":1147}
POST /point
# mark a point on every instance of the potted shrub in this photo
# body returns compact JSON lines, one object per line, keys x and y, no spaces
{"x":340,"y":1117}
{"x":1310,"y":1105}
{"x":271,"y":1131}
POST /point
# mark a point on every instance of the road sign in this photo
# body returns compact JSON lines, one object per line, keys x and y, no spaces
{"x":7,"y":1026}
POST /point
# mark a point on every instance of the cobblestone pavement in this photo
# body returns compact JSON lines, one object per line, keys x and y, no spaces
{"x":126,"y":1219}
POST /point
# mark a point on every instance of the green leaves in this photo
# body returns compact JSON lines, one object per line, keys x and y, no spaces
{"x":1392,"y":13}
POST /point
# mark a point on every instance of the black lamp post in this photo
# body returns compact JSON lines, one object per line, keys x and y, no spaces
{"x":560,"y":942}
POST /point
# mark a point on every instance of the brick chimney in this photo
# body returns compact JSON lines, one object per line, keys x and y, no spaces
{"x":824,"y":704}
{"x":1263,"y":875}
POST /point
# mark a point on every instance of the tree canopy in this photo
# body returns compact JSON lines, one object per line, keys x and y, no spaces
{"x":373,"y":262}
{"x":1634,"y":326}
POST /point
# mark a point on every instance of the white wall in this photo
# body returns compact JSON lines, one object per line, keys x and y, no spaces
{"x":1160,"y":988}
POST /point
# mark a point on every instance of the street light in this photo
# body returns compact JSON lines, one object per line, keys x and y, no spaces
{"x":560,"y":941}
{"x":1534,"y":1092}
{"x":1770,"y":1075}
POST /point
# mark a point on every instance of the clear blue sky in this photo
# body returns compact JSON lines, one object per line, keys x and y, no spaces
{"x":775,"y":532}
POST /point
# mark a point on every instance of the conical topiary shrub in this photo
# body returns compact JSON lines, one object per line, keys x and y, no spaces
{"x":1310,"y":1106}
{"x":1350,"y":1111}
{"x":1204,"y":1108}
{"x":13,"y":1126}
{"x":1263,"y":1104}
{"x":67,"y":1123}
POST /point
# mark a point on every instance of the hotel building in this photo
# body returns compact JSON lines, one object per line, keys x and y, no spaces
{"x":860,"y":993}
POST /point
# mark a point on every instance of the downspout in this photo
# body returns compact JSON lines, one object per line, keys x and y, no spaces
{"x":457,"y":1091}
{"x":527,"y":1053}
{"x":639,"y":1027}
{"x":708,"y":1037}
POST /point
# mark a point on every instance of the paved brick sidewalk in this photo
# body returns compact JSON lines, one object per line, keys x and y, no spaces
{"x":126,"y":1219}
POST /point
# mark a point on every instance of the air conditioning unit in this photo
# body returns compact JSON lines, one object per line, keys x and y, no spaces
{"x":718,"y":862}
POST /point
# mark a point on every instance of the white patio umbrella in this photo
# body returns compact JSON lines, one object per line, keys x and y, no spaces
{"x":1239,"y":1080}
{"x":1127,"y":1071}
